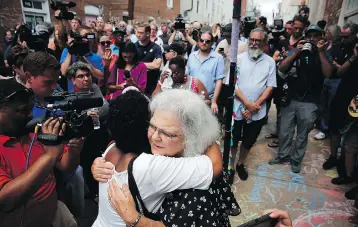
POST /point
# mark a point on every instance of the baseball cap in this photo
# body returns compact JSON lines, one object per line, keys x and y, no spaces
{"x":177,"y":47}
{"x":119,"y":31}
{"x":166,"y":48}
{"x":312,"y":28}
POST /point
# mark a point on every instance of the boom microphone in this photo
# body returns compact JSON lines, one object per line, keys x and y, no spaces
{"x":77,"y":104}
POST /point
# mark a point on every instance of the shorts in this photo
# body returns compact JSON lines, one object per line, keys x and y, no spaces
{"x":351,"y":137}
{"x":248,"y":132}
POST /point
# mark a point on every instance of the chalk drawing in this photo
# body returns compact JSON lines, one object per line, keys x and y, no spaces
{"x":299,"y":204}
{"x":320,"y":217}
{"x":332,"y":173}
{"x":271,"y":194}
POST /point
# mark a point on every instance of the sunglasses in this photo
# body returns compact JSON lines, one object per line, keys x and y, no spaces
{"x":105,"y":43}
{"x":21,"y":94}
{"x":206,"y":41}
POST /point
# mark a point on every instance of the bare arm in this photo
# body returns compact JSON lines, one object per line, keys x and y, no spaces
{"x":286,"y":64}
{"x":264,"y":96}
{"x":19,"y":190}
{"x":66,"y":64}
{"x":217,"y":90}
{"x":172,"y":38}
{"x":214,"y":153}
{"x":202,"y":88}
{"x":155,"y":64}
{"x":71,"y":159}
{"x":326,"y":66}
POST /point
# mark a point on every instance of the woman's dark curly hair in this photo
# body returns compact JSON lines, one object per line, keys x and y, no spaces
{"x":128,"y":122}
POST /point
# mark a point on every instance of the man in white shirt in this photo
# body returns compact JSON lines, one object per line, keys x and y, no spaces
{"x":256,"y":78}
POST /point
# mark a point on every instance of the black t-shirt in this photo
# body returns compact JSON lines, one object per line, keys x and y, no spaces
{"x":148,"y":53}
{"x":306,"y":81}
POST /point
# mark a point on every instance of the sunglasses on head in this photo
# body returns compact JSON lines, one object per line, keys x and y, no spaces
{"x":105,"y":43}
{"x":20,"y":94}
{"x":206,"y":41}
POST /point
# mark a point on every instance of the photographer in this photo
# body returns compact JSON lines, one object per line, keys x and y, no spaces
{"x":307,"y":66}
{"x":42,"y":72}
{"x":27,"y":181}
{"x":78,"y":50}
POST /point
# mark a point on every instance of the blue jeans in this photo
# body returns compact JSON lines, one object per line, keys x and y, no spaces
{"x":297,"y":114}
{"x":327,"y":95}
{"x":71,"y":191}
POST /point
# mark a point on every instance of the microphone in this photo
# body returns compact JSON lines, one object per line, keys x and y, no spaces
{"x":77,"y":104}
{"x":127,"y":74}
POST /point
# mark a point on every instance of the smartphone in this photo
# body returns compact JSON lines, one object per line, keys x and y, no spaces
{"x":263,"y":221}
{"x":221,"y":49}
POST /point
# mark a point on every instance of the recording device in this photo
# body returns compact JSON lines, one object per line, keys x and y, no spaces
{"x":263,"y":221}
{"x":63,"y":7}
{"x":221,"y":49}
{"x":80,"y":45}
{"x":73,"y":110}
{"x":278,"y":23}
{"x":309,"y":47}
{"x":179,"y":23}
{"x":195,"y":34}
{"x":127,"y":74}
{"x":34,"y":41}
{"x":249,"y":24}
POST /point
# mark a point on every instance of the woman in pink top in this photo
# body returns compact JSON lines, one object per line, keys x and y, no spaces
{"x":127,"y":61}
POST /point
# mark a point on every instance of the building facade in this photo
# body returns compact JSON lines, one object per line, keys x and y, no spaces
{"x":33,"y":11}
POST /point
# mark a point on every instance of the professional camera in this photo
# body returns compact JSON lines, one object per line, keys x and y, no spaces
{"x":278,"y":28}
{"x":195,"y":34}
{"x":309,"y":47}
{"x":63,"y":7}
{"x":249,"y":24}
{"x":73,"y":109}
{"x":179,"y":23}
{"x":37,"y":41}
{"x":80,"y":45}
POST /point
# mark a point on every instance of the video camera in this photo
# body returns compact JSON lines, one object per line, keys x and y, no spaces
{"x":309,"y":47}
{"x":278,"y":29}
{"x":179,"y":23}
{"x":34,"y":41}
{"x":80,"y":45}
{"x":73,"y":109}
{"x":63,"y":7}
{"x":249,"y":24}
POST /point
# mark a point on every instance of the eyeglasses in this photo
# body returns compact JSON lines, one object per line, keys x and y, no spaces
{"x":154,"y":129}
{"x":105,"y":43}
{"x":206,"y":41}
{"x":23,"y":94}
{"x":82,"y":76}
{"x":258,"y":41}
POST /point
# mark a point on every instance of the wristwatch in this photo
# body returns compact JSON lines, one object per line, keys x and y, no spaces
{"x":135,"y":222}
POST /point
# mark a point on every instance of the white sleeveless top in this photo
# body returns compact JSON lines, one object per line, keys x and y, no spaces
{"x":155,"y":176}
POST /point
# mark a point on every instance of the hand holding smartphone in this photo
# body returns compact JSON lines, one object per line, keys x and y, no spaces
{"x":263,"y":221}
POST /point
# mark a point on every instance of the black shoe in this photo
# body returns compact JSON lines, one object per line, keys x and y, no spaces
{"x":351,"y":194}
{"x":242,"y":172}
{"x":330,"y":163}
{"x":342,"y":180}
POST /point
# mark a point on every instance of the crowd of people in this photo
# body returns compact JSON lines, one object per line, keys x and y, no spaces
{"x":150,"y":156}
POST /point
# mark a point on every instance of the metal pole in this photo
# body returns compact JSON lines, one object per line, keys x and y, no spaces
{"x":229,"y":106}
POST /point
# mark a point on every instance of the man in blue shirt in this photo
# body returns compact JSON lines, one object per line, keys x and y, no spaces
{"x":118,"y":36}
{"x":208,"y":66}
{"x":42,"y":71}
{"x":93,"y":59}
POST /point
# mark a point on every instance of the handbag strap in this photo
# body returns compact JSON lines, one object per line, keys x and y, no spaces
{"x":135,"y":193}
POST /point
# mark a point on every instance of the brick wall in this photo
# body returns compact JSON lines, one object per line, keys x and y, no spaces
{"x":155,"y":8}
{"x":332,"y":11}
{"x":10,"y":13}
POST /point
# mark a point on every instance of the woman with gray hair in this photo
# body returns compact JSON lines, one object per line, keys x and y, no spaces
{"x":181,"y":125}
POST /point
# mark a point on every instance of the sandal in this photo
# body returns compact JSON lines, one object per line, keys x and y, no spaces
{"x":271,"y":136}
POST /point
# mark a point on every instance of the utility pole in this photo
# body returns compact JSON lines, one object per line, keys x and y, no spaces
{"x":131,"y":9}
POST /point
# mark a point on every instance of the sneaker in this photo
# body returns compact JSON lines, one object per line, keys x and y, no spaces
{"x":342,"y":180}
{"x":351,"y":194}
{"x":277,"y":161}
{"x":330,"y":163}
{"x":320,"y":136}
{"x":295,"y":168}
{"x":242,"y":172}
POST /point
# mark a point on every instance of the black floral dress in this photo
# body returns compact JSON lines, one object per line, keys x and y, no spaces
{"x":199,"y":208}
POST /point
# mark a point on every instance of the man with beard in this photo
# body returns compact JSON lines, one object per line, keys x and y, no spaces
{"x":256,"y":79}
{"x":305,"y":69}
{"x":27,"y":181}
{"x":207,"y":66}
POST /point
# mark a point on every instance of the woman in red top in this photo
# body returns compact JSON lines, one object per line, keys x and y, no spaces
{"x":127,"y":61}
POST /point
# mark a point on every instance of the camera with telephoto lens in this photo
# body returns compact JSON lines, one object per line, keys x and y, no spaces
{"x":249,"y":23}
{"x":309,"y":47}
{"x":73,"y":109}
{"x":63,"y":7}
{"x":179,"y":23}
{"x":80,"y":44}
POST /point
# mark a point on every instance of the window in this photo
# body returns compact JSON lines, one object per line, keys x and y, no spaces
{"x":170,"y":3}
{"x":33,"y":19}
{"x":32,"y":4}
{"x":352,"y":4}
{"x":197,"y":7}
